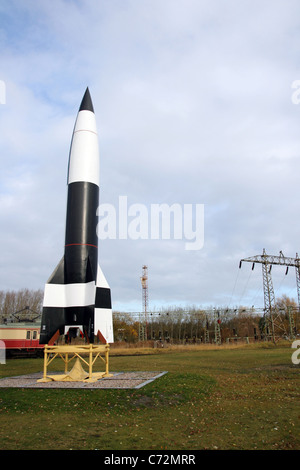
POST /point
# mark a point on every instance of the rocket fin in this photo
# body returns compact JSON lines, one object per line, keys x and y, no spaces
{"x":58,"y":275}
{"x":67,"y":303}
{"x":54,"y":338}
{"x":101,"y":337}
{"x":53,"y":318}
{"x":90,"y":276}
{"x":103,"y":311}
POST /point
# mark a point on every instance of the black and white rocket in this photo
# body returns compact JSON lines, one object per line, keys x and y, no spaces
{"x":77,"y":296}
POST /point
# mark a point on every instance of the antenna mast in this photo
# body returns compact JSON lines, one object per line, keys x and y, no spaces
{"x":144,"y":281}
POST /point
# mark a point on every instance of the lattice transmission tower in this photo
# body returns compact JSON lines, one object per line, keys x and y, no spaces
{"x":144,"y":323}
{"x":274,"y":324}
{"x":217,"y":322}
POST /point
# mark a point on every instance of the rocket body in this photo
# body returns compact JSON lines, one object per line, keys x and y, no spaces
{"x":77,"y":296}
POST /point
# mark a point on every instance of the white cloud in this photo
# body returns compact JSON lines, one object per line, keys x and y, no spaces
{"x":193,"y":104}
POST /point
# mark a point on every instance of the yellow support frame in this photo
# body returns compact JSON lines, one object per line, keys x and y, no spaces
{"x":77,"y":374}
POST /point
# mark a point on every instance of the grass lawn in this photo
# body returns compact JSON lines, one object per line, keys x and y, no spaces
{"x":222,"y":398}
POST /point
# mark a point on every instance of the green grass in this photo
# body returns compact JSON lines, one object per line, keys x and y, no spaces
{"x":245,"y":398}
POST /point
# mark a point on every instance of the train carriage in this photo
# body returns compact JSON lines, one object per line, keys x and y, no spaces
{"x":21,"y":338}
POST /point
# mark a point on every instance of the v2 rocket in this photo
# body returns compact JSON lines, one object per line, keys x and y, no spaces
{"x":77,"y":297}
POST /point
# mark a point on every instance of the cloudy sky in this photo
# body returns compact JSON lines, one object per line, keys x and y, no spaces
{"x":195,"y":104}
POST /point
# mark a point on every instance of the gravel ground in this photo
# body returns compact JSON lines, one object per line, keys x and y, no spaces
{"x":118,"y":380}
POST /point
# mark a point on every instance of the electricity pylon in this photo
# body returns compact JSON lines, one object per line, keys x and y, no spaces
{"x":206,"y":331}
{"x":217,"y":322}
{"x":272,"y":317}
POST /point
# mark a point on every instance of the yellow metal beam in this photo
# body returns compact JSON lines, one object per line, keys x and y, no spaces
{"x":91,"y":351}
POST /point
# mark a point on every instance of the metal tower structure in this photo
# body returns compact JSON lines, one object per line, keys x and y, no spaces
{"x":217,"y":327}
{"x":206,"y":331}
{"x":272,"y":317}
{"x":144,"y":281}
{"x":291,"y":323}
{"x":297,"y":268}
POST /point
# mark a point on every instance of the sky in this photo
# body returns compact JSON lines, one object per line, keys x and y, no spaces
{"x":196,"y":105}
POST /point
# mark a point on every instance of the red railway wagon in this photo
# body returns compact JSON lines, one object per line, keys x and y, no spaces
{"x":21,"y":338}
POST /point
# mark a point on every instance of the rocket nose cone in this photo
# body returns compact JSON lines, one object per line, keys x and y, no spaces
{"x":86,"y":103}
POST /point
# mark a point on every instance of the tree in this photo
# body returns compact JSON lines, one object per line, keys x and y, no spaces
{"x":25,"y":301}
